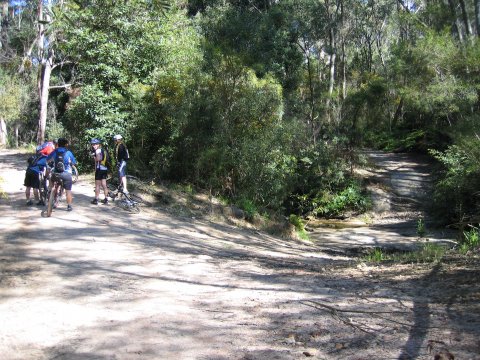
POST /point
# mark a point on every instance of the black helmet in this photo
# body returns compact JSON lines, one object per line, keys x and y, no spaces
{"x":95,"y":141}
{"x":62,"y":142}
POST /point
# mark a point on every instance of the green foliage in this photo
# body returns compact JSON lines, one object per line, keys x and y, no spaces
{"x":13,"y":96}
{"x":96,"y":114}
{"x":351,"y":198}
{"x":458,"y":180}
{"x":297,"y":221}
{"x":325,"y":186}
{"x":376,"y":255}
{"x":421,"y":229}
{"x":470,"y":240}
{"x":236,"y":99}
{"x":248,"y":207}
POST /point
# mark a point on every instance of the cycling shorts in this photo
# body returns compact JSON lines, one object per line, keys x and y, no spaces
{"x":101,"y":174}
{"x":67,"y":179}
{"x":32,"y":179}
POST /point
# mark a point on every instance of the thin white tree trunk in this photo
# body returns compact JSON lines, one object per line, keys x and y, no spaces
{"x":331,"y":81}
{"x":17,"y":130}
{"x":3,"y":132}
{"x":46,"y":72}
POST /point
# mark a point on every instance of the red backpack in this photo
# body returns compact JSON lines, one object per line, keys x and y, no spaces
{"x":47,"y":148}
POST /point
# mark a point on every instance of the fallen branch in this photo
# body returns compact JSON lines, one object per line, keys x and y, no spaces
{"x":333,"y":309}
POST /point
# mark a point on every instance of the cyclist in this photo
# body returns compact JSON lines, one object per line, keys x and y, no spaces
{"x":36,"y":165}
{"x":64,"y":159}
{"x":101,"y":169}
{"x":121,"y":156}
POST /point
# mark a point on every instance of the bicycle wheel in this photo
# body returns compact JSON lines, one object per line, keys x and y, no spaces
{"x":111,"y":187}
{"x":128,"y":206}
{"x":74,"y":174}
{"x":43,"y":189}
{"x":51,"y":199}
{"x":135,"y":198}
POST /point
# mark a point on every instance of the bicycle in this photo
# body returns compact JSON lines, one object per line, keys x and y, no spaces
{"x":43,"y":191}
{"x":127,"y":201}
{"x":54,"y":193}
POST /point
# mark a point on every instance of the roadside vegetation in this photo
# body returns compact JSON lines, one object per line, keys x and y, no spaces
{"x":263,"y":104}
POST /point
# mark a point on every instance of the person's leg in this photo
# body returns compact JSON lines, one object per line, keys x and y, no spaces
{"x":35,"y":194}
{"x":105,"y":189}
{"x":97,"y":188}
{"x":124,"y":182}
{"x":67,"y":184}
{"x":28,"y":185}
{"x":122,"y":174}
{"x":27,"y":195}
{"x":36,"y":186}
{"x":69,"y":197}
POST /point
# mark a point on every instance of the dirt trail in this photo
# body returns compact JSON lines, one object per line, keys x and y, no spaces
{"x":99,"y":283}
{"x":400,"y":186}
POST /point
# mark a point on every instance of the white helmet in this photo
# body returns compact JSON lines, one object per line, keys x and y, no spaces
{"x":117,"y":137}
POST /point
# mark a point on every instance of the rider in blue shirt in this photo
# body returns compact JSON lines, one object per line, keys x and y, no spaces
{"x":36,"y":165}
{"x":64,"y":172}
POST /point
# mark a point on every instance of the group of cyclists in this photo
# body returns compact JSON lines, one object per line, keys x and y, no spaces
{"x":54,"y":159}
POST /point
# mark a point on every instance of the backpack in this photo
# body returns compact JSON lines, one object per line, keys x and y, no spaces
{"x":47,"y":148}
{"x":60,"y":161}
{"x":106,"y":160}
{"x":33,"y":159}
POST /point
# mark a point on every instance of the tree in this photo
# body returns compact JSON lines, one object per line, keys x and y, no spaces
{"x":12,"y":99}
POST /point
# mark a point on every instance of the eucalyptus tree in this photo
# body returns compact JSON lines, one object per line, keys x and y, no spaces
{"x":30,"y":35}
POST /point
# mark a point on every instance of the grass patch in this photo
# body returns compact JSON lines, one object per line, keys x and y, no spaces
{"x":428,"y":253}
{"x":421,"y":229}
{"x":470,"y":241}
{"x":299,"y":226}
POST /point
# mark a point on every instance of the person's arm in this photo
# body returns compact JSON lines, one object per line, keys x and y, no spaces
{"x":73,"y":161}
{"x":122,"y":153}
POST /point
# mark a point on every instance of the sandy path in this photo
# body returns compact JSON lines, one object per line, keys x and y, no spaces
{"x":99,"y":283}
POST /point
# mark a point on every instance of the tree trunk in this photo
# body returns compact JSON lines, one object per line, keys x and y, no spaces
{"x":344,"y":53}
{"x":42,"y":118}
{"x":3,"y":132}
{"x":398,"y":114}
{"x":466,"y":22}
{"x":344,"y":71}
{"x":312,"y":98}
{"x":45,"y":71}
{"x":477,"y":16}
{"x":331,"y":81}
{"x":455,"y":25}
{"x":4,"y":6}
{"x":17,"y":127}
{"x":44,"y":83}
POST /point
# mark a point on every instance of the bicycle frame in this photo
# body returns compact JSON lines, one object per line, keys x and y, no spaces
{"x":43,"y":187}
{"x":54,"y":193}
{"x":126,"y":201}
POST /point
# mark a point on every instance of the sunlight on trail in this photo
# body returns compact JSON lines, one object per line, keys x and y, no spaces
{"x":3,"y":194}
